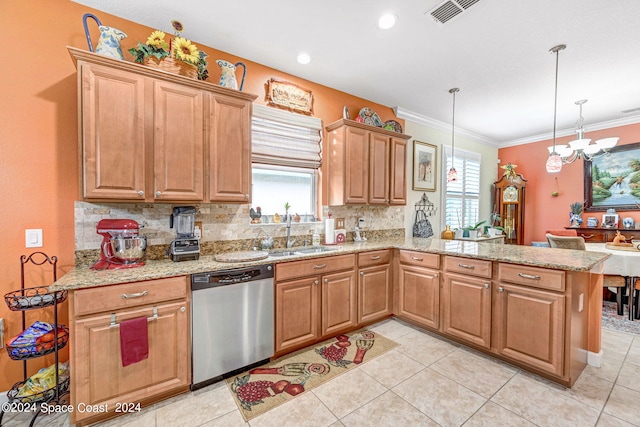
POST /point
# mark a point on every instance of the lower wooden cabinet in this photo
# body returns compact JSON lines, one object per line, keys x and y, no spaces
{"x":314,"y":307}
{"x":419,"y":295}
{"x":375,"y":286}
{"x":530,"y":326}
{"x":96,"y":366}
{"x":466,"y":308}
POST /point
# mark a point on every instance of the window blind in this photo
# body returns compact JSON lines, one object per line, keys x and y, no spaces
{"x":286,"y":139}
{"x":462,"y":198}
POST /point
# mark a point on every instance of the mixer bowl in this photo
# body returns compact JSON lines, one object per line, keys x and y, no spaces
{"x":129,"y":249}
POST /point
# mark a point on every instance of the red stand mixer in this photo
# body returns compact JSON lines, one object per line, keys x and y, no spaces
{"x":122,"y":246}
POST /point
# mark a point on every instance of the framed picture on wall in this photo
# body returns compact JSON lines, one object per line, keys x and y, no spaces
{"x":425,"y":166}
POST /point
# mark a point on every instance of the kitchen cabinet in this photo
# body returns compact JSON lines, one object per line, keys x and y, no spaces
{"x":147,"y":135}
{"x":603,"y":235}
{"x":419,"y":288}
{"x":315,"y":299}
{"x":95,"y":361}
{"x":530,"y":317}
{"x":375,"y":286}
{"x":366,"y":164}
{"x":466,"y":300}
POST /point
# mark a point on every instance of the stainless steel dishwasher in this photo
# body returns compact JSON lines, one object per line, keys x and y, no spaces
{"x":232,"y":321}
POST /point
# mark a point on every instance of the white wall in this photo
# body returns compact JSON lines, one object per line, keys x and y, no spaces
{"x":488,"y":172}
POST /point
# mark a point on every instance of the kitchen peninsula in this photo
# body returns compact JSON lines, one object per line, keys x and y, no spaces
{"x":537,"y":308}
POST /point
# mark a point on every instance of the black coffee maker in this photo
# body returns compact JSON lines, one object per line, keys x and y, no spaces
{"x":186,"y":246}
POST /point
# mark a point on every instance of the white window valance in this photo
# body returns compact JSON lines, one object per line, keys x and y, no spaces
{"x":287,"y":139}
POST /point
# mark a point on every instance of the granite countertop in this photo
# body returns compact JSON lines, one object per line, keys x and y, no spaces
{"x":558,"y":259}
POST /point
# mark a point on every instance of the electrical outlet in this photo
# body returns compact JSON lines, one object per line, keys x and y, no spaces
{"x":339,"y":223}
{"x":581,"y":302}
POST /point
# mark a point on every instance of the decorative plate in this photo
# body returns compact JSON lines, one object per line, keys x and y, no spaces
{"x":345,"y":112}
{"x":370,"y":117}
{"x":392,"y":125}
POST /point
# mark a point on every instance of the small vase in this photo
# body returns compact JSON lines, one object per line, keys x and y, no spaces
{"x":447,"y":234}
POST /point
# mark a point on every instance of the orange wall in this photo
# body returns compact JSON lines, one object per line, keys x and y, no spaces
{"x":542,"y":210}
{"x":39,"y":137}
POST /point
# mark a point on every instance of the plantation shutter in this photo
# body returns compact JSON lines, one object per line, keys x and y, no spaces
{"x":286,"y":139}
{"x":462,"y":197}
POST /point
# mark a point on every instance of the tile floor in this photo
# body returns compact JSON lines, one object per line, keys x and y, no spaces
{"x":426,"y":381}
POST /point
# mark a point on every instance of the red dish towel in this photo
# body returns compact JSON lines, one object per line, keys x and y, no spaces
{"x":134,"y":340}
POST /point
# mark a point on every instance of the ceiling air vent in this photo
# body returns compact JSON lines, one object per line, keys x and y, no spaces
{"x":450,"y":9}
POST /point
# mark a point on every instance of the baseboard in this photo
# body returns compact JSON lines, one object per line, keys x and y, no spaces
{"x":594,"y":359}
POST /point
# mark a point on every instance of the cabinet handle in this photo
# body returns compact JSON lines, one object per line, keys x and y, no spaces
{"x":375,"y":257}
{"x":436,"y":275}
{"x":528,"y":276}
{"x":585,"y":236}
{"x":319,"y":266}
{"x":138,"y":295}
{"x":470,"y":267}
{"x":315,"y":282}
{"x":140,"y":193}
{"x":183,"y":309}
{"x":326,"y":280}
{"x":362,"y":273}
{"x":246,"y":196}
{"x":486,"y":286}
{"x":158,"y":193}
{"x":500,"y":289}
{"x":416,"y":258}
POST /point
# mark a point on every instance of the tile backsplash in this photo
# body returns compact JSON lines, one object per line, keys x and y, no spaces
{"x":224,"y":226}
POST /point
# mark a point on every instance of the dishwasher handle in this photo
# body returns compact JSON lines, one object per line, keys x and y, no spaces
{"x":230,"y":277}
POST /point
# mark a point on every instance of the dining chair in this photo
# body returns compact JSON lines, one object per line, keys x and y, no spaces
{"x":608,"y":280}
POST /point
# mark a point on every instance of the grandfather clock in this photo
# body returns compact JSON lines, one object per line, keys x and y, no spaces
{"x":509,"y":194}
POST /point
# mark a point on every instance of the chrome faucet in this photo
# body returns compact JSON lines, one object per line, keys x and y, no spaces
{"x":289,"y":241}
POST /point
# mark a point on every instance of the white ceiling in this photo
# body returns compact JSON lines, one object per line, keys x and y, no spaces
{"x":496,"y":52}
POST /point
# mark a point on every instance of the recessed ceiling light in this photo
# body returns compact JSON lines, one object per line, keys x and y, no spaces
{"x":304,"y":58}
{"x":387,"y":21}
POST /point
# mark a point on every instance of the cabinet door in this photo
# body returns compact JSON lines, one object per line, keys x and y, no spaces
{"x":374,"y":293}
{"x":229,"y":139}
{"x":357,"y":166}
{"x":419,"y":295}
{"x":378,"y":169}
{"x":530,"y":327}
{"x":112,"y":120}
{"x":466,"y":303}
{"x":339,"y":305}
{"x":297,"y":316}
{"x":98,"y":375}
{"x":398,"y":174}
{"x":178,"y":149}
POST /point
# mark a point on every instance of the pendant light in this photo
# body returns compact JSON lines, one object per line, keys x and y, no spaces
{"x":554,"y":162}
{"x":452,"y":175}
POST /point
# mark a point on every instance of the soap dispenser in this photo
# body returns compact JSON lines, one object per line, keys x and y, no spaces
{"x":315,"y":239}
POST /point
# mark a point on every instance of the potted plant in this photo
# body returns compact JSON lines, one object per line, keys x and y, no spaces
{"x":574,"y":215}
{"x":467,"y":230}
{"x":495,"y":229}
{"x":178,"y":55}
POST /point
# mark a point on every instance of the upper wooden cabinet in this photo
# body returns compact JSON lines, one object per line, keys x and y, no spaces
{"x":147,"y":135}
{"x":366,"y":164}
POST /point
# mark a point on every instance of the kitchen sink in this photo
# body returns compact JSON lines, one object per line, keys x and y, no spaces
{"x":283,"y":253}
{"x":314,"y":250}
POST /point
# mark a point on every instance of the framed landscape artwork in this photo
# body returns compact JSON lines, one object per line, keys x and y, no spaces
{"x":613,"y":181}
{"x":425,"y":166}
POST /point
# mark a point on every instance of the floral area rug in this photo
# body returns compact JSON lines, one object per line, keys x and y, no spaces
{"x":611,"y":319}
{"x":268,"y":386}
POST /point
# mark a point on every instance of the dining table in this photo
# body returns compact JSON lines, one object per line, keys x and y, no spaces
{"x":622,"y":262}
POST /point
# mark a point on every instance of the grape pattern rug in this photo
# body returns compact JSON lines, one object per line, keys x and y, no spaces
{"x":261,"y":389}
{"x":611,"y":320}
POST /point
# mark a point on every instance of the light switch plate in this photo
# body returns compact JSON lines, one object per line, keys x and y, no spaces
{"x":33,"y":237}
{"x":339,"y":222}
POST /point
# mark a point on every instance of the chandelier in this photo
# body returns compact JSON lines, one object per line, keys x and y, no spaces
{"x":582,"y":148}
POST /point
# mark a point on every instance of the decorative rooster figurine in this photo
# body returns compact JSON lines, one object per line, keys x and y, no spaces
{"x":255,"y":215}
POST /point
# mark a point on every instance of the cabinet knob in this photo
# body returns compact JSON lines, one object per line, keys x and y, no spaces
{"x":486,"y":286}
{"x":436,"y":275}
{"x":326,"y":280}
{"x":246,"y":196}
{"x":158,"y":193}
{"x":140,"y":193}
{"x":315,"y":282}
{"x":183,"y":309}
{"x":500,"y":289}
{"x":362,"y":273}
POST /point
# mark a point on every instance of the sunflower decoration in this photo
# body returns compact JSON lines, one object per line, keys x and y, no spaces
{"x":179,"y":48}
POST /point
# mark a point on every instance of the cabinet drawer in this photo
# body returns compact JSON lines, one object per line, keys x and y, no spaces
{"x":366,"y":259}
{"x":110,"y":298}
{"x":532,"y":276}
{"x":474,"y":267}
{"x":420,"y":258}
{"x":312,"y":267}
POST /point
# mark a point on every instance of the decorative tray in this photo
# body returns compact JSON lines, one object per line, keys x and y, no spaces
{"x":43,"y":396}
{"x":29,"y":351}
{"x":31,"y":298}
{"x":624,"y":247}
